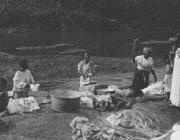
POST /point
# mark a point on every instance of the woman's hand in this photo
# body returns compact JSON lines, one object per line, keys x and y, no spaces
{"x":90,"y":74}
{"x":155,"y":78}
{"x":154,"y":74}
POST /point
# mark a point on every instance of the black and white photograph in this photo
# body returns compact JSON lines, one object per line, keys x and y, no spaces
{"x":89,"y":69}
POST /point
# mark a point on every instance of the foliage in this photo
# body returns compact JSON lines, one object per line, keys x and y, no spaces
{"x":91,"y":14}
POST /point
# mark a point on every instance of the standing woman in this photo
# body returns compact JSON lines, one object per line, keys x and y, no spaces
{"x":175,"y":86}
{"x":144,"y":68}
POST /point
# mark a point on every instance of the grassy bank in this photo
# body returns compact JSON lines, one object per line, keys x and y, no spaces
{"x":58,"y":67}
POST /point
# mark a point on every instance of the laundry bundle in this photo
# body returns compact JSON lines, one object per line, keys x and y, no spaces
{"x":83,"y":129}
{"x":154,"y":89}
{"x":22,"y":105}
{"x":87,"y":102}
{"x":87,"y":99}
{"x":103,"y":102}
{"x":34,"y":87}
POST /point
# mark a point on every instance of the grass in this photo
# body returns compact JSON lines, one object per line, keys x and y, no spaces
{"x":61,"y":72}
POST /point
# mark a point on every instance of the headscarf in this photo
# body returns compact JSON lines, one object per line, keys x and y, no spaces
{"x":147,"y":50}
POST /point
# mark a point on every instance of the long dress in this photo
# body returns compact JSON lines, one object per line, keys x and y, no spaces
{"x":175,"y":87}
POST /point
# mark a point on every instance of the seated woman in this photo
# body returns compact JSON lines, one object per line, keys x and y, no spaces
{"x":22,"y":80}
{"x":86,"y":70}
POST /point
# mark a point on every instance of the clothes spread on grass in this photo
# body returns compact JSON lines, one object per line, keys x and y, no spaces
{"x":154,"y":89}
{"x":135,"y":120}
{"x":22,"y":105}
{"x":115,"y":120}
{"x":83,"y":129}
{"x":104,"y":102}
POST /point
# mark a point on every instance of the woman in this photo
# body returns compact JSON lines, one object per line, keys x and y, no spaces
{"x":86,"y":70}
{"x":175,"y":86}
{"x":144,"y":68}
{"x":22,"y":80}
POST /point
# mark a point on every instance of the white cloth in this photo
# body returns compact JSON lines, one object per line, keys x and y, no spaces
{"x":144,"y":64}
{"x":167,"y":82}
{"x":34,"y":87}
{"x":154,"y":89}
{"x":175,"y":86}
{"x":21,"y":78}
{"x":87,"y":102}
{"x":175,"y":136}
{"x":22,"y":105}
{"x":87,"y":70}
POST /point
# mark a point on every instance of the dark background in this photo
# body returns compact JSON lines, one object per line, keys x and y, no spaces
{"x":105,"y":27}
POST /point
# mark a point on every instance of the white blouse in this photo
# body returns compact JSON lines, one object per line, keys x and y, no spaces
{"x":22,"y":77}
{"x":86,"y":68}
{"x":144,"y":64}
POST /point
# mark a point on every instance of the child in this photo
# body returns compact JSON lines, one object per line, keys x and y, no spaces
{"x":22,"y":80}
{"x":168,"y":75}
{"x":3,"y":96}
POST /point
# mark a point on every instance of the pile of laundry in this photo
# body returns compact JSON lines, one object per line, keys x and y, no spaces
{"x":83,"y":129}
{"x":113,"y":99}
{"x":22,"y":105}
{"x":154,"y":89}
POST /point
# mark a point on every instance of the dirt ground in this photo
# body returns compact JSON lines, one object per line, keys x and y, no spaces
{"x":48,"y":125}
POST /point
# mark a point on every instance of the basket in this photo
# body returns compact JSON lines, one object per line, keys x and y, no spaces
{"x":64,"y":100}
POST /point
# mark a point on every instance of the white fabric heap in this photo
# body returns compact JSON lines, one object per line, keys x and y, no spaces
{"x":22,"y":105}
{"x":113,"y":88}
{"x":87,"y":99}
{"x":87,"y":102}
{"x":34,"y":87}
{"x":154,"y":89}
{"x":175,"y":136}
{"x":176,"y":132}
{"x":105,"y":98}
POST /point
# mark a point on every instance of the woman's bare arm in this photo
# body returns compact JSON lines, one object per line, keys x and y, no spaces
{"x":135,"y":43}
{"x":154,"y":74}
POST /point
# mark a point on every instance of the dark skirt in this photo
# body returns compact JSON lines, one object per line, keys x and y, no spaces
{"x":21,"y":94}
{"x":4,"y":99}
{"x":140,"y":81}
